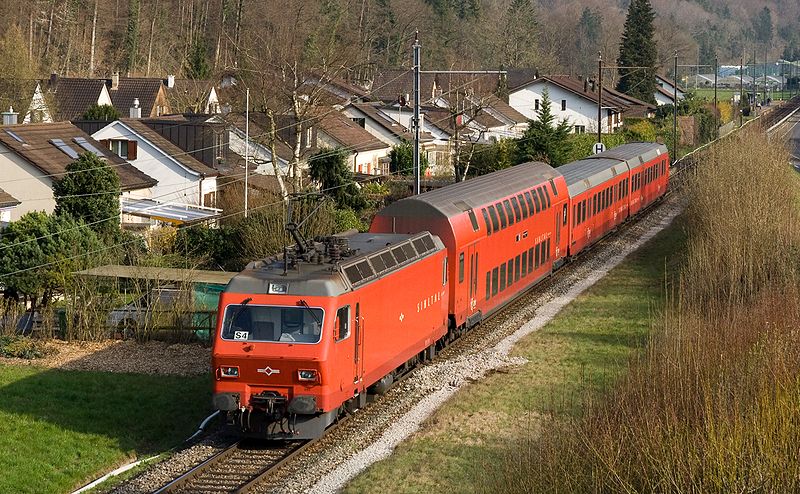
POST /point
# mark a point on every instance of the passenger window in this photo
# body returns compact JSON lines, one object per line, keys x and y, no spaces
{"x":536,"y":251}
{"x":517,"y":212}
{"x":473,"y":220}
{"x":342,"y":323}
{"x":530,"y":260}
{"x":493,"y":216}
{"x":548,"y":249}
{"x":502,"y":277}
{"x":542,"y":199}
{"x":524,"y":263}
{"x":566,"y":209}
{"x":494,"y":282}
{"x":509,"y":212}
{"x":574,"y":215}
{"x":530,"y":202}
{"x":444,"y":271}
{"x":510,"y":268}
{"x":486,"y":221}
{"x":488,"y":284}
{"x":517,"y":268}
{"x":536,"y":202}
{"x":502,"y":214}
{"x":522,"y":206}
{"x":461,"y":268}
{"x":553,"y":187}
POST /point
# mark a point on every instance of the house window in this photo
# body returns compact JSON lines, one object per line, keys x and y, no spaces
{"x":309,"y":137}
{"x":580,"y":129}
{"x":536,"y":104}
{"x":123,"y":148}
{"x":563,"y":105}
{"x":361,"y":122}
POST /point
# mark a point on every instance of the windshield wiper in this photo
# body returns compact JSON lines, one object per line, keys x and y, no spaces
{"x":303,"y":303}
{"x":242,"y":306}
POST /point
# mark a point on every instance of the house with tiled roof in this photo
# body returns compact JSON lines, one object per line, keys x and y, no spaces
{"x":72,"y":96}
{"x":665,"y":90}
{"x":34,"y":156}
{"x":197,"y":96}
{"x":575,"y":99}
{"x":258,"y":149}
{"x":366,"y":153}
{"x":181,"y":178}
{"x":149,"y":92}
{"x":7,"y":204}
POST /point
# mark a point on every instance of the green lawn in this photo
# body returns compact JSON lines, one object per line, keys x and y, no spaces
{"x":61,"y":429}
{"x":582,"y":350}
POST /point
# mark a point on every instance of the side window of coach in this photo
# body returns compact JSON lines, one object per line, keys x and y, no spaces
{"x":342,"y":323}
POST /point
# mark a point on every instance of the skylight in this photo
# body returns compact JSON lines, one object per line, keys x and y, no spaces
{"x":15,"y":136}
{"x":82,"y":142}
{"x":64,"y":148}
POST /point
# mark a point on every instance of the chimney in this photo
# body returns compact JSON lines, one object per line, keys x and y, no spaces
{"x":115,"y":81}
{"x":10,"y":116}
{"x":585,"y":85}
{"x":53,"y":79}
{"x":135,"y":111}
{"x":170,"y":81}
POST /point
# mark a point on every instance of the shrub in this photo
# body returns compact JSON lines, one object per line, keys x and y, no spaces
{"x":22,"y":347}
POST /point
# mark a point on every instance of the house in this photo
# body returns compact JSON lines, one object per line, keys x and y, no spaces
{"x":260,"y":156}
{"x":575,"y":99}
{"x":150,"y":93}
{"x":34,"y":156}
{"x":7,"y":204}
{"x":366,"y":153}
{"x":332,"y":90}
{"x":665,"y":90}
{"x":66,"y":98}
{"x":391,"y":86}
{"x":181,"y":178}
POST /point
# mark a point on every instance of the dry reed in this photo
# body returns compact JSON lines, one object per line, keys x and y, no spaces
{"x":713,"y":402}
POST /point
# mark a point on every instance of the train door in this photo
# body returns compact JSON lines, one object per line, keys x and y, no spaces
{"x":358,"y":346}
{"x":473,"y":278}
{"x":558,"y":214}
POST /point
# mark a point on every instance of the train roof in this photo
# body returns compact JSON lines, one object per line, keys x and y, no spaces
{"x":635,"y":153}
{"x":594,"y":170}
{"x":475,"y":193}
{"x":340,"y":264}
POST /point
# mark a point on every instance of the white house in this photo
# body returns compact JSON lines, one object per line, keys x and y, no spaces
{"x":7,"y":204}
{"x":181,"y":178}
{"x":576,"y":101}
{"x":366,"y":153}
{"x":33,"y":156}
{"x":260,"y":156}
{"x":665,"y":90}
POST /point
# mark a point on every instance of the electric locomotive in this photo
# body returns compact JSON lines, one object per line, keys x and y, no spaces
{"x":302,"y":338}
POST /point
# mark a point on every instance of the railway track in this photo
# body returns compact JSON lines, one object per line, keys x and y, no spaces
{"x":237,"y":468}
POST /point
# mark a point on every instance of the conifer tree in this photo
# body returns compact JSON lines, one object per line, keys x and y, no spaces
{"x":638,"y":49}
{"x":544,"y":139}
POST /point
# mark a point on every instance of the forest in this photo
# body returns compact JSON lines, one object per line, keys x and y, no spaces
{"x":200,"y":38}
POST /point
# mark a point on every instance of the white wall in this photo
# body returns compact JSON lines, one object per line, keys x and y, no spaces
{"x":175,"y":182}
{"x":25,"y":183}
{"x":662,"y":99}
{"x":580,"y":111}
{"x":379,"y":132}
{"x":359,"y":162}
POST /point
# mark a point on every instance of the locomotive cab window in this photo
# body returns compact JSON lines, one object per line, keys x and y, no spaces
{"x":264,"y":323}
{"x":342,"y":325}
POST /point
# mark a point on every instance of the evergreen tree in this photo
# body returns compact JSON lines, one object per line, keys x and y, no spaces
{"x":132,"y":35}
{"x":196,"y":66}
{"x":101,"y":112}
{"x":544,"y":139}
{"x":90,"y":192}
{"x":402,"y":160}
{"x":762,"y":26}
{"x":638,"y":49}
{"x":329,"y":169}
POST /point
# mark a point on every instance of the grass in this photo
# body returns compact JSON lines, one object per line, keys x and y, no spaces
{"x":61,"y":429}
{"x":585,"y":347}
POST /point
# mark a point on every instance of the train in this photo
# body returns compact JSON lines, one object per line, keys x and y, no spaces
{"x":305,"y":337}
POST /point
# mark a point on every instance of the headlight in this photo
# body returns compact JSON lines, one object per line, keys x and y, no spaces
{"x":307,"y":375}
{"x":229,"y":371}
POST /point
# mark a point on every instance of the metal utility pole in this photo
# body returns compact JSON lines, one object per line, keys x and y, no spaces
{"x":675,"y":112}
{"x":416,"y":113}
{"x":716,"y":106}
{"x":599,"y":96}
{"x":765,"y":73}
{"x":741,"y":90}
{"x":246,"y":146}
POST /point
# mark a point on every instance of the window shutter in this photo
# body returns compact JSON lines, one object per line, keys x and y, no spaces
{"x":131,"y":150}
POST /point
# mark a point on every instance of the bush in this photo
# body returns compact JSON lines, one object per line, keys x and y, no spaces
{"x":22,"y":347}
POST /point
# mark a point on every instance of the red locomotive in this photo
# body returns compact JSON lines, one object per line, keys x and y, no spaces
{"x":302,"y":338}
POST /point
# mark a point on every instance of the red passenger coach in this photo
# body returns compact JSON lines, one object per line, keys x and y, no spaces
{"x":301,"y":338}
{"x":648,"y":163}
{"x":503,"y":232}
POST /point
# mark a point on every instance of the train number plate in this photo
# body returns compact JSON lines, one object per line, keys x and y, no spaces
{"x":240,"y":335}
